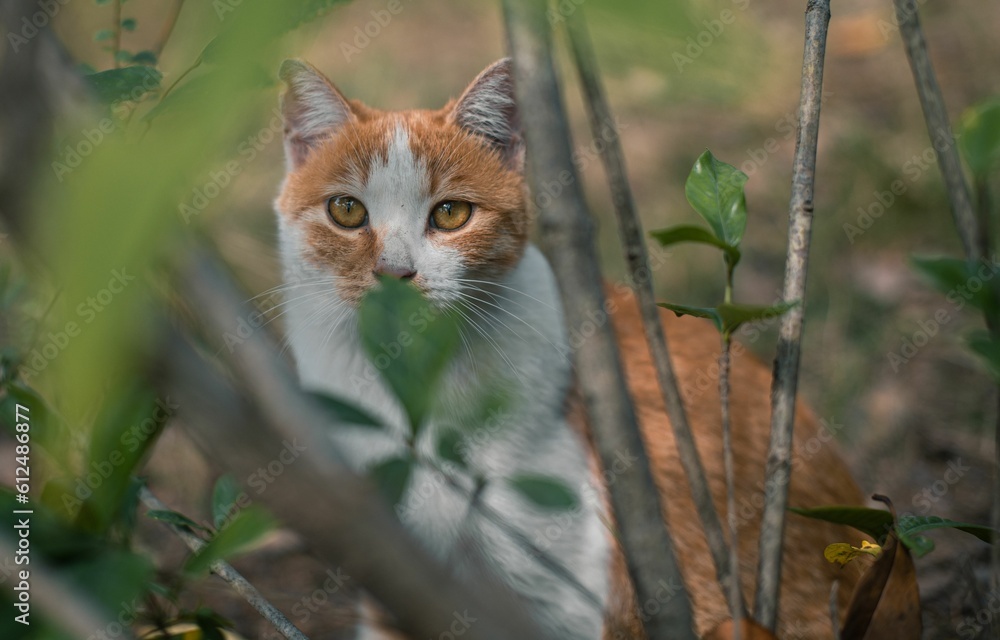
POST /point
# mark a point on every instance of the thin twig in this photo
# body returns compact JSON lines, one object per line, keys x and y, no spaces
{"x":567,"y":233}
{"x":226,"y":571}
{"x":733,"y":592}
{"x":973,"y":227}
{"x":938,"y":127}
{"x":116,"y":45}
{"x":634,"y":247}
{"x":786,"y":366}
{"x":61,"y":602}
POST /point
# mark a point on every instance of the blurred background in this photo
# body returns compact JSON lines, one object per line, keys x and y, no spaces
{"x":681,"y":77}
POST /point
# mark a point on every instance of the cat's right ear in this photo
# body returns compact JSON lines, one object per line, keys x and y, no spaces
{"x":312,"y":107}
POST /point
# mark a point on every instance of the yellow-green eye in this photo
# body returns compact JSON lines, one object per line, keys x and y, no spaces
{"x":347,"y":212}
{"x":451,"y":214}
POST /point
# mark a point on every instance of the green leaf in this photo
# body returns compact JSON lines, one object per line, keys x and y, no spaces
{"x":546,"y":492}
{"x":734,"y":315}
{"x":104,"y":34}
{"x":246,"y":528}
{"x":391,"y":478}
{"x":919,"y":545}
{"x":346,"y":412}
{"x":409,"y":342}
{"x":100,"y":2}
{"x":176,"y":519}
{"x":988,"y":349}
{"x":698,"y":312}
{"x":127,"y":83}
{"x":909,"y":525}
{"x":129,"y":24}
{"x":979,"y":137}
{"x":449,"y":447}
{"x":691,"y":233}
{"x":224,"y":497}
{"x":954,"y":276}
{"x":715,"y":190}
{"x":145,"y":57}
{"x":874,"y":522}
{"x":123,"y":56}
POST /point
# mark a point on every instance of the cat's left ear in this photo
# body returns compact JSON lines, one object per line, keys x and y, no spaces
{"x":488,"y":109}
{"x":313,"y":109}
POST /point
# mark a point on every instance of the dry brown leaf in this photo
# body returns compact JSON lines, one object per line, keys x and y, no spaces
{"x":886,"y":600}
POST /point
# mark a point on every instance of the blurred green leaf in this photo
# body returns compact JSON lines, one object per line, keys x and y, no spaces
{"x":391,"y":478}
{"x":104,"y":34}
{"x":544,"y":491}
{"x":123,"y":56}
{"x":698,"y":312}
{"x":409,"y":342}
{"x":979,"y":137}
{"x":715,"y":190}
{"x":691,"y":233}
{"x":224,"y":496}
{"x":910,"y":525}
{"x":127,"y":83}
{"x":145,"y":57}
{"x":345,"y":412}
{"x":129,"y":24}
{"x":176,"y":519}
{"x":249,"y":526}
{"x":988,"y":349}
{"x":955,"y":277}
{"x":449,"y":447}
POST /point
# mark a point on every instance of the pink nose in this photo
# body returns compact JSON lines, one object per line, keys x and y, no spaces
{"x":383,"y":268}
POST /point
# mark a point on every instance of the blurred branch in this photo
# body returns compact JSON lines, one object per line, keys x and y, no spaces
{"x":226,"y":571}
{"x":938,"y":127}
{"x":339,"y":514}
{"x":64,"y":605}
{"x":634,"y":247}
{"x":568,"y":236}
{"x":974,"y":233}
{"x":786,"y":365}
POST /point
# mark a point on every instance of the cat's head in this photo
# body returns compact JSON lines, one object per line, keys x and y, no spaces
{"x":433,"y":196}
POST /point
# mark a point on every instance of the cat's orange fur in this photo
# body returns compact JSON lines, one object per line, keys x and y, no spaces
{"x":819,"y":477}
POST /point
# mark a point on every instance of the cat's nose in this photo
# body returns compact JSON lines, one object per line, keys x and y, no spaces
{"x":383,"y":268}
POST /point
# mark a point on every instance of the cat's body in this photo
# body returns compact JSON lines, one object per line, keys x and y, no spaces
{"x":437,"y":197}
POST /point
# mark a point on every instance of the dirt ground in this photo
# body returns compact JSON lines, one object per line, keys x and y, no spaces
{"x":677,"y":91}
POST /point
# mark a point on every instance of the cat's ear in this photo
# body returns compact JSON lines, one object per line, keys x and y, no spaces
{"x":313,"y":109}
{"x":487,"y":108}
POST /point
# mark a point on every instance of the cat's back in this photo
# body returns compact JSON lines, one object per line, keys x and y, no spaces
{"x":819,"y":476}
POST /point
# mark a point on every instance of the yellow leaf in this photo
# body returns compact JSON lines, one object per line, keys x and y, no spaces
{"x":842,"y":552}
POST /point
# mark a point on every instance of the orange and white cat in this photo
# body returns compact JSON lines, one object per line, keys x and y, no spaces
{"x":438,"y":197}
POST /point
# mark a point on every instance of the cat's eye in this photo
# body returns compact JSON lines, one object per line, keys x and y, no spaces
{"x":451,"y":214}
{"x":347,"y":211}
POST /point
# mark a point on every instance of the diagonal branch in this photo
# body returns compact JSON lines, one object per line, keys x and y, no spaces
{"x":568,"y":236}
{"x":339,"y":514}
{"x":786,"y":365}
{"x":636,"y":259}
{"x":235,"y":579}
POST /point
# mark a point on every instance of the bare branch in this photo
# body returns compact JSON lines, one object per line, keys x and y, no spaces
{"x":637,"y":261}
{"x":938,"y":127}
{"x":339,"y":514}
{"x":568,"y":237}
{"x":786,"y":366}
{"x":226,"y":571}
